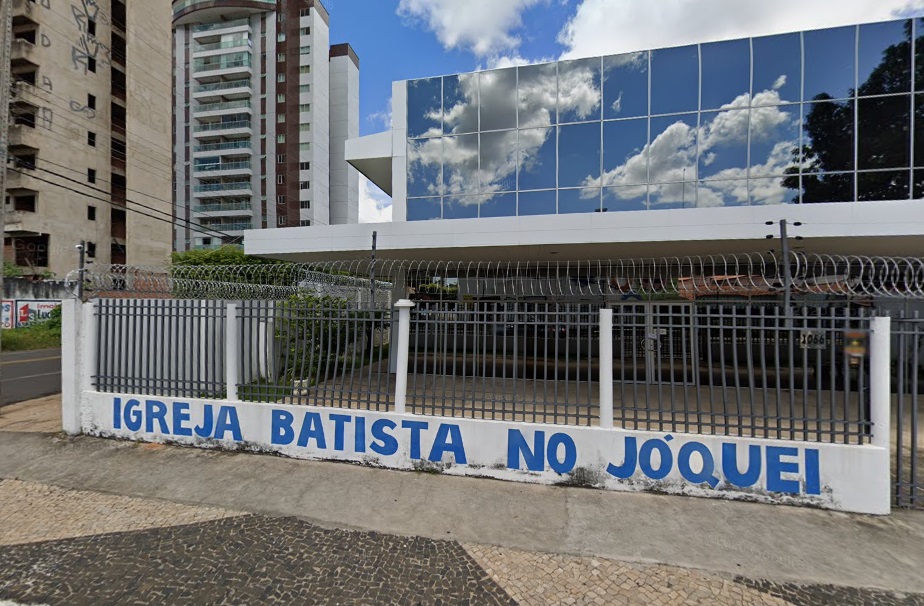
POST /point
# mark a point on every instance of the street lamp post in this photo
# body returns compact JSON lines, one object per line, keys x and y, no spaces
{"x":787,"y":268}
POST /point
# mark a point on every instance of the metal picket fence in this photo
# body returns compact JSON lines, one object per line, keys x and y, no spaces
{"x":908,"y":411}
{"x":320,"y":352}
{"x":170,"y":348}
{"x":533,"y":362}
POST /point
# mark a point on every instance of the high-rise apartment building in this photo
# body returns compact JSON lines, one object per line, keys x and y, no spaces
{"x":262,"y":110}
{"x":89,"y":136}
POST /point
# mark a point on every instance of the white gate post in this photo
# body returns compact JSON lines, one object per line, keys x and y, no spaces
{"x":232,"y":352}
{"x":880,"y":392}
{"x":404,"y":337}
{"x":606,"y":368}
{"x":71,"y":365}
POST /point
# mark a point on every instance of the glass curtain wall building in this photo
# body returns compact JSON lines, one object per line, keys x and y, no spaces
{"x":834,"y":115}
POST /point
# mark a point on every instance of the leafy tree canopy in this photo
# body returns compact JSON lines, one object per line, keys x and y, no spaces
{"x":226,"y":255}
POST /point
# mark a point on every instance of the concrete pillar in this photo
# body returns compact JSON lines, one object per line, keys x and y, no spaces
{"x":404,"y":336}
{"x":606,"y":368}
{"x":880,"y":392}
{"x":232,"y":352}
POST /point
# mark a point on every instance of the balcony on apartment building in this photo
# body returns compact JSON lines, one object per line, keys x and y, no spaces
{"x":232,"y":125}
{"x":237,"y":64}
{"x":21,"y":218}
{"x":221,"y":45}
{"x":24,"y":135}
{"x":222,"y":108}
{"x":224,"y":187}
{"x":238,"y":148}
{"x":223,"y":168}
{"x":240,"y":88}
{"x":224,"y":207}
{"x":227,"y":227}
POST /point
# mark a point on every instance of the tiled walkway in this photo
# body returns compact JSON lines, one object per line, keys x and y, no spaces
{"x":71,"y":547}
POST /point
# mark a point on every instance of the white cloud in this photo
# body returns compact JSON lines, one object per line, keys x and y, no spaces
{"x":484,"y":27}
{"x":601,"y":27}
{"x":374,"y":204}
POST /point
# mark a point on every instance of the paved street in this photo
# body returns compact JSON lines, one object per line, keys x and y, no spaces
{"x":89,"y":521}
{"x":27,"y":375}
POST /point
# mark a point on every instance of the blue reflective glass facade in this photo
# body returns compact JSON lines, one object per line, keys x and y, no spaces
{"x":833,"y":115}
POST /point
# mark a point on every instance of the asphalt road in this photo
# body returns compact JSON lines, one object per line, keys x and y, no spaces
{"x":25,"y":375}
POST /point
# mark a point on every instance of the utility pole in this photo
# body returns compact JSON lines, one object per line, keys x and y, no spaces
{"x":787,"y":267}
{"x":6,"y":85}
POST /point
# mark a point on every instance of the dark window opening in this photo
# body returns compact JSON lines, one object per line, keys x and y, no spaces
{"x":24,"y":203}
{"x":91,"y":65}
{"x":91,"y":213}
{"x":91,"y":139}
{"x":91,"y":250}
{"x":91,"y":27}
{"x":91,"y":175}
{"x":91,"y":101}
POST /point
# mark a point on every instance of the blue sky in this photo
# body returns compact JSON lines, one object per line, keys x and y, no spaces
{"x":405,"y":39}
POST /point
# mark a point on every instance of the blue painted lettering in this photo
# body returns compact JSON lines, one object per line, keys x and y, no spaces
{"x":566,"y":463}
{"x":776,"y":467}
{"x":117,"y":413}
{"x":180,"y":418}
{"x":281,"y":432}
{"x":629,"y":461}
{"x":448,"y":439}
{"x":730,"y":465}
{"x":415,"y":427}
{"x":340,"y":422}
{"x":133,"y":415}
{"x":517,"y":446}
{"x":360,"y":435}
{"x":383,"y":442}
{"x":312,"y":428}
{"x":812,"y":474}
{"x":156,"y":411}
{"x":227,"y":421}
{"x":664,"y":465}
{"x":208,"y":422}
{"x":706,"y":474}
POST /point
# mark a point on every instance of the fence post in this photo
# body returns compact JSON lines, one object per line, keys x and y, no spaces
{"x":88,"y":337}
{"x":232,"y":352}
{"x":880,"y":392}
{"x":606,"y":368}
{"x":404,"y":337}
{"x":71,"y":365}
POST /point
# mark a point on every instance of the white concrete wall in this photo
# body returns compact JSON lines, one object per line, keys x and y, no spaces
{"x":344,"y":124}
{"x":847,"y":478}
{"x":399,"y":151}
{"x":319,"y":137}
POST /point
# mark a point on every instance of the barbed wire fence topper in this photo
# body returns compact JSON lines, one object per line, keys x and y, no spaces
{"x":691,"y":277}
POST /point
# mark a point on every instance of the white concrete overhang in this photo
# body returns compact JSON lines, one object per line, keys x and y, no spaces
{"x":886,"y":228}
{"x":371,"y":155}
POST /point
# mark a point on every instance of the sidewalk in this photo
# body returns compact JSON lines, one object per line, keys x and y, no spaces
{"x":529,"y":544}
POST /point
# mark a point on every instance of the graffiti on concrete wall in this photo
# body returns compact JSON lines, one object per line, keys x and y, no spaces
{"x":88,"y":52}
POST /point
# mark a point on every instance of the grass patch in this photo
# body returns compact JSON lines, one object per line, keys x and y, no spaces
{"x":41,"y":335}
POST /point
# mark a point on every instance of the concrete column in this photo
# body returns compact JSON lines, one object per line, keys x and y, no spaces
{"x":71,"y":315}
{"x":606,"y":368}
{"x":404,"y":336}
{"x":232,"y":352}
{"x":880,"y":392}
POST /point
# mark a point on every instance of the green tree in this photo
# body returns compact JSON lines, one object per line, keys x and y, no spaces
{"x":226,"y":255}
{"x":884,"y":135}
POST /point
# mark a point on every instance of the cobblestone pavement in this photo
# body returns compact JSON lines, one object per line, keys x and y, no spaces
{"x":31,"y":512}
{"x":77,"y":548}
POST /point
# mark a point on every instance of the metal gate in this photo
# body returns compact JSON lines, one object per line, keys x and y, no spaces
{"x":654,"y":343}
{"x":908,"y":411}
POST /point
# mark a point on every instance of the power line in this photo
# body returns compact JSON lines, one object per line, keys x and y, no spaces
{"x":65,"y":137}
{"x":172,"y":221}
{"x":41,"y":91}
